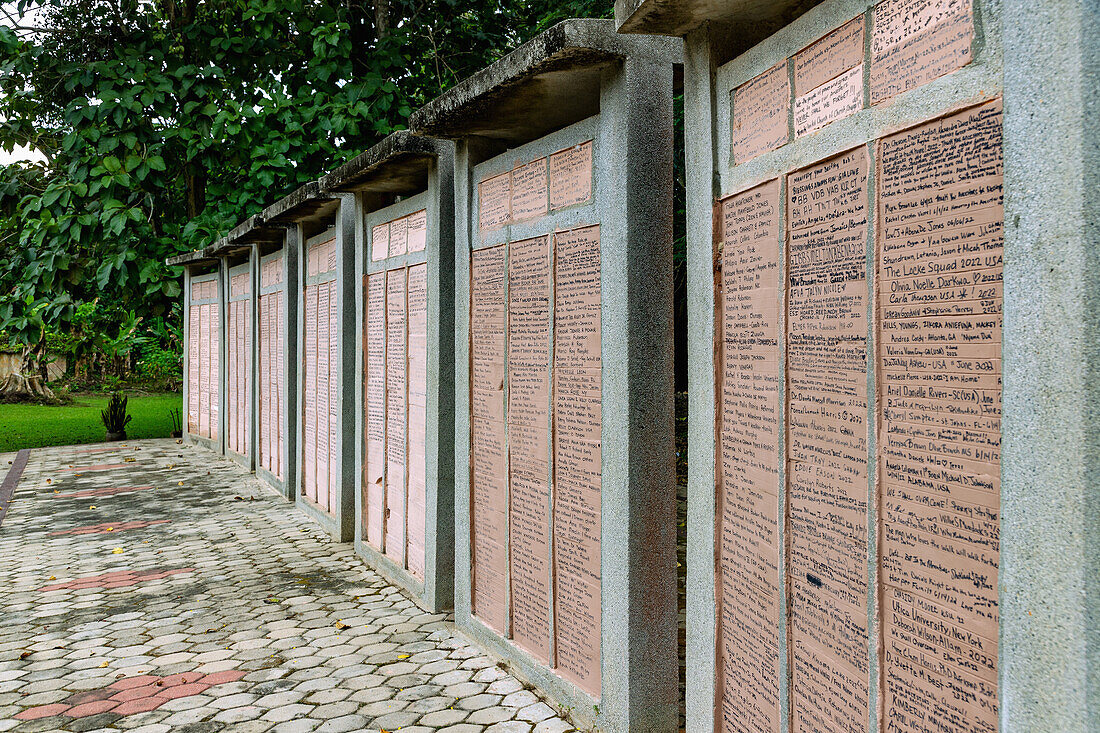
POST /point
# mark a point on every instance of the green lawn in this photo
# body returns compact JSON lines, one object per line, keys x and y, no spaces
{"x":35,"y":426}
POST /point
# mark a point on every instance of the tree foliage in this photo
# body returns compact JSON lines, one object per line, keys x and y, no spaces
{"x":165,"y":122}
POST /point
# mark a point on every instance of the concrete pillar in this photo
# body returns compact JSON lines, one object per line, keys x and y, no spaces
{"x":699,"y":164}
{"x":1050,"y":523}
{"x":640,"y":678}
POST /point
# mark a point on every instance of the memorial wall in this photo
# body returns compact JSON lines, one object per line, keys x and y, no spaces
{"x":238,"y":375}
{"x":395,"y":348}
{"x":271,"y":355}
{"x":535,"y":395}
{"x":321,"y":375}
{"x":203,"y":350}
{"x":873,"y":275}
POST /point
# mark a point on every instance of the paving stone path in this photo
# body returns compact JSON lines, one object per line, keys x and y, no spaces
{"x":152,"y":586}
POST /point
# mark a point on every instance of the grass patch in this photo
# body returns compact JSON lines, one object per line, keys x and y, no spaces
{"x":36,"y":426}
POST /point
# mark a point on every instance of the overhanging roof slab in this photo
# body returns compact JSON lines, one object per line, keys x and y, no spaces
{"x":544,"y":85}
{"x":398,"y":165}
{"x":755,"y":18}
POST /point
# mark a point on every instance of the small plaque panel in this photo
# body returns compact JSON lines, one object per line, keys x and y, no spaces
{"x":828,"y":78}
{"x":916,"y":41}
{"x":529,"y":191}
{"x":748,"y":592}
{"x":494,"y":197}
{"x":418,"y":230}
{"x":940,"y":260}
{"x":489,"y":486}
{"x":571,"y":176}
{"x":760,"y":110}
{"x":380,"y":242}
{"x":399,"y":237}
{"x":827,"y":443}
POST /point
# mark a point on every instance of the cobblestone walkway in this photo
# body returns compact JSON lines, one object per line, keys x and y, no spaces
{"x":156,"y":587}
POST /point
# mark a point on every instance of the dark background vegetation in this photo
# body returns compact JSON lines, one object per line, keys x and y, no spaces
{"x":163,"y":123}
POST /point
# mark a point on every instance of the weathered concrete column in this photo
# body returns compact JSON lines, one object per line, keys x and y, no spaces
{"x":1050,"y":527}
{"x":404,"y":365}
{"x":564,"y":480}
{"x":638,"y":494}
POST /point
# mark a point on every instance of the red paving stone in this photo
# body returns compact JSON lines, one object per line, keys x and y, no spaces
{"x":42,"y":711}
{"x":136,"y":693}
{"x":105,"y":527}
{"x":91,"y":708}
{"x":171,"y":693}
{"x":183,"y":678}
{"x":220,"y":678}
{"x":139,"y":706}
{"x":131,"y":682}
{"x":132,"y":695}
{"x":121,"y":579}
{"x":100,"y":492}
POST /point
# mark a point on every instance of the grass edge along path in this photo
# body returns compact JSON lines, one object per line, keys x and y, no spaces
{"x":37,"y":426}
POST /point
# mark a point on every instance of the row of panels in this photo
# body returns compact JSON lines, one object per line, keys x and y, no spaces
{"x":415,"y":349}
{"x":471,"y":353}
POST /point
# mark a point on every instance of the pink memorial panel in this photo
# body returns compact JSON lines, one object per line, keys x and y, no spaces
{"x":396,"y":414}
{"x":577,"y":457}
{"x":529,"y":286}
{"x":321,"y":445}
{"x":374,"y":503}
{"x":417,"y":415}
{"x":827,"y":480}
{"x":489,"y":485}
{"x":271,"y":353}
{"x":748,"y":591}
{"x":940,"y":237}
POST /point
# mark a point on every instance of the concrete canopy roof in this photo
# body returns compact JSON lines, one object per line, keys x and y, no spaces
{"x":398,"y":165}
{"x":305,"y":205}
{"x":756,"y":18}
{"x":255,"y":230}
{"x":546,"y":84}
{"x":203,"y":256}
